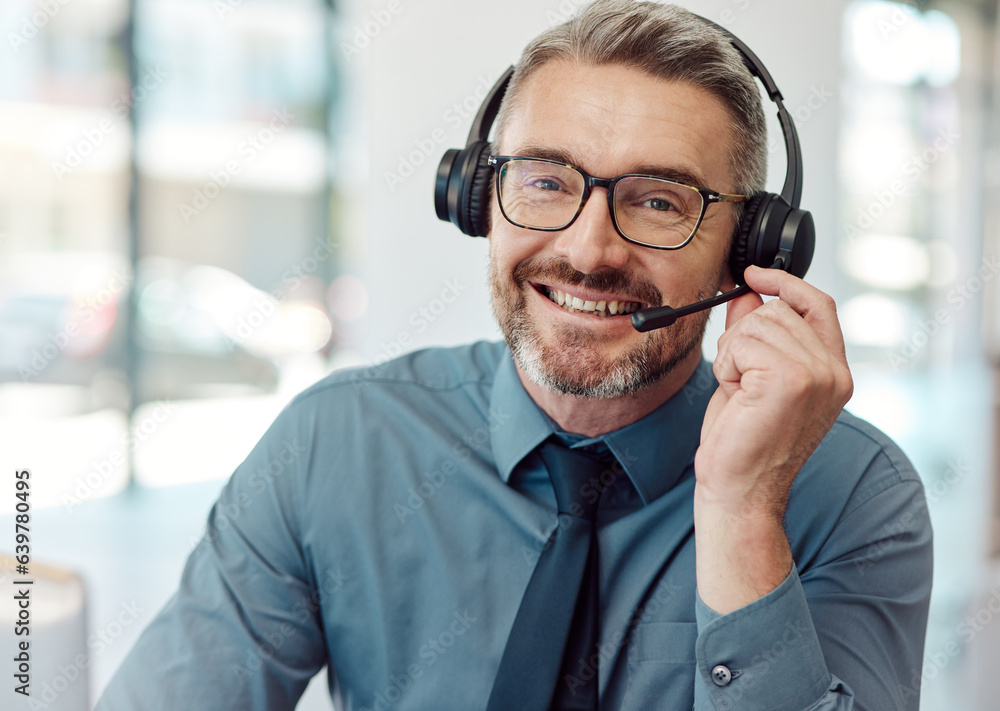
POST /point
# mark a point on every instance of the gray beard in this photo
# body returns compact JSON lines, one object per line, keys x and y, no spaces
{"x":577,"y":367}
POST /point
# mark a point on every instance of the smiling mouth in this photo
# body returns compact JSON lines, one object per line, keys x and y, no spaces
{"x":574,"y":304}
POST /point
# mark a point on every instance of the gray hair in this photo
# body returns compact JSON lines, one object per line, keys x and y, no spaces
{"x":667,"y":42}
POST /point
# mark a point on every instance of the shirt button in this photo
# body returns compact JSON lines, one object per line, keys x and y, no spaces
{"x":721,"y":675}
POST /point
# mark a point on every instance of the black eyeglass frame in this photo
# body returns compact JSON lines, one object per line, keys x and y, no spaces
{"x":708,"y":196}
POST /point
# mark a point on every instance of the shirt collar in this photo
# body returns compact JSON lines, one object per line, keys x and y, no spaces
{"x":654,"y":451}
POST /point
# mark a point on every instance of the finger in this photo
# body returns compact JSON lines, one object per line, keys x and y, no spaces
{"x":795,"y":341}
{"x":741,"y":306}
{"x":775,"y":316}
{"x":735,"y":367}
{"x":816,"y":307}
{"x":750,"y":371}
{"x":774,"y":363}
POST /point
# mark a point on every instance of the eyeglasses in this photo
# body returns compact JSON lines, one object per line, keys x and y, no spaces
{"x":542,"y":194}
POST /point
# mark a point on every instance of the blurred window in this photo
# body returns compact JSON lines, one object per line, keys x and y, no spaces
{"x":165,"y":240}
{"x":911,"y":251}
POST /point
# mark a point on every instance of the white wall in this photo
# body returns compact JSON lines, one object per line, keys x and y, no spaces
{"x":431,"y":55}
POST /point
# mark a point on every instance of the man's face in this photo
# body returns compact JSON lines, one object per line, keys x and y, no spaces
{"x":608,"y":121}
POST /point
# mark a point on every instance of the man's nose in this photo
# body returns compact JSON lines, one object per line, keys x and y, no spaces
{"x":591,"y":242}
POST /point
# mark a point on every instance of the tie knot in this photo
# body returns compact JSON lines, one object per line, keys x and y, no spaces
{"x":575,"y":476}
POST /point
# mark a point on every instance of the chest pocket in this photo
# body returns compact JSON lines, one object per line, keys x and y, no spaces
{"x":661,"y":666}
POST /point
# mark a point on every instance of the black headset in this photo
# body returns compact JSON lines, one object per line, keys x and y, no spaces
{"x":773,"y":231}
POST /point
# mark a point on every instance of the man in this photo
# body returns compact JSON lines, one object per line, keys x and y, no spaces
{"x":755,"y":548}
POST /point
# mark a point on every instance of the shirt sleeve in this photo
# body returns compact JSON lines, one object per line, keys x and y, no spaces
{"x":243,"y":630}
{"x":842,"y":632}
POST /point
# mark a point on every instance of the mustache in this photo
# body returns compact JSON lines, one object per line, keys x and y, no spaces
{"x":610,"y":280}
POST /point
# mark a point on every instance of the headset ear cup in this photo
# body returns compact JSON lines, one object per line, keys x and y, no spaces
{"x":744,"y":247}
{"x":477,"y":204}
{"x":798,"y":238}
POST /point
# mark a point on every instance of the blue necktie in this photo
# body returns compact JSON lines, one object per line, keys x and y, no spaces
{"x":545,"y":664}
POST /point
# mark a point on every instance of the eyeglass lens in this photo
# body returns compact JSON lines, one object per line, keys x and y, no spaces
{"x":547,"y":195}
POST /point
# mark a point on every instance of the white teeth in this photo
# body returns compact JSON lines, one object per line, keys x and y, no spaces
{"x":574,"y":304}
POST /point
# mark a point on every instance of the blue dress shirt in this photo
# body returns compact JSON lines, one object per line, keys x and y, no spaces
{"x":388,"y":523}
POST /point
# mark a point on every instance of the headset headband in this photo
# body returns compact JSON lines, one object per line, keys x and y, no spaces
{"x":792,"y":189}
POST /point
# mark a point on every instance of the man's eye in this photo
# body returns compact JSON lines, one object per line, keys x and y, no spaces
{"x":547,"y":184}
{"x":659,"y":204}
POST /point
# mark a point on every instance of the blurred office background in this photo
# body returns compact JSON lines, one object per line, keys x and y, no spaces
{"x":206,"y":205}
